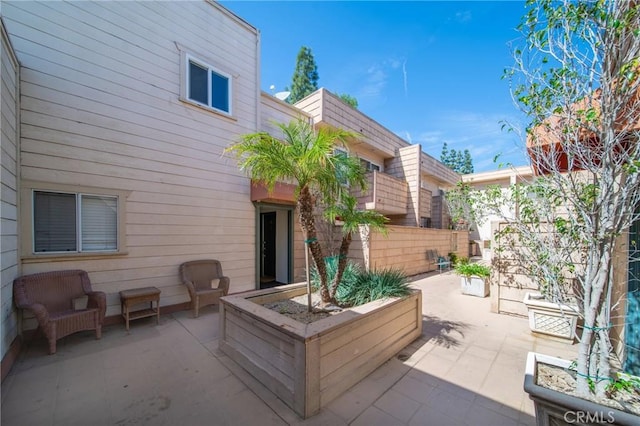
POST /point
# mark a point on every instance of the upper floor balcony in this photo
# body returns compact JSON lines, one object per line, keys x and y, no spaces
{"x":385,"y":194}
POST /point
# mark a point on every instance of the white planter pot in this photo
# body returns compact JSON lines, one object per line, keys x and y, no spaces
{"x":474,"y":286}
{"x":551,"y":318}
{"x":557,"y":408}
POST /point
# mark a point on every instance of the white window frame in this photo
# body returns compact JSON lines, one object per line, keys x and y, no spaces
{"x":28,"y":226}
{"x":370,"y":164}
{"x":188,"y":59}
{"x":78,"y":225}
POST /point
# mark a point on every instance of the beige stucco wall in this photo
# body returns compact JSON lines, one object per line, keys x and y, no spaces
{"x":9,"y":188}
{"x":102,"y":108}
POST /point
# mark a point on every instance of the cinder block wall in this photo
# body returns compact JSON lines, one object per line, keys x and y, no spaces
{"x":406,"y":247}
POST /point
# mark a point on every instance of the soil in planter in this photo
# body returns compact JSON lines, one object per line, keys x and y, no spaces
{"x":296,"y":308}
{"x":564,"y":380}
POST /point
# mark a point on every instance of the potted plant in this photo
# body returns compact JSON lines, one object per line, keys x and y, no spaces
{"x":473,"y":278}
{"x":560,"y":408}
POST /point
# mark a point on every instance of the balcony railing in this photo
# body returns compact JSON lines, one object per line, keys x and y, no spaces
{"x":385,"y":194}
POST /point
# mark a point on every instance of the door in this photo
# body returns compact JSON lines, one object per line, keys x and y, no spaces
{"x":632,"y":327}
{"x":268,"y":228}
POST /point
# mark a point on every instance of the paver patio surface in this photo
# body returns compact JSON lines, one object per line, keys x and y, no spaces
{"x":466,"y":369}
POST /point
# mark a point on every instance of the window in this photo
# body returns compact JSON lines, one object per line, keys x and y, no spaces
{"x":369,"y":166}
{"x":340,"y":151}
{"x":208,"y":86}
{"x":69,"y":222}
{"x":341,"y":171}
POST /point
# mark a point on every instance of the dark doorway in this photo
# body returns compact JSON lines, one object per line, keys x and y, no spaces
{"x":274,"y":245}
{"x":268,"y":264}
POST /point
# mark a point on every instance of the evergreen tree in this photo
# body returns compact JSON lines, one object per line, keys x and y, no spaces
{"x":467,"y":163}
{"x":349,"y":100}
{"x":444,"y":154}
{"x":458,"y":161}
{"x":305,"y":76}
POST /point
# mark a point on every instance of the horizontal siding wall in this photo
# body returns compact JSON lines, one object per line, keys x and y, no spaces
{"x":101,"y":107}
{"x":425,"y":203}
{"x":439,"y":213}
{"x":406,"y":166}
{"x":437,"y":171}
{"x":274,"y":111}
{"x":406,"y":247}
{"x":340,"y":115}
{"x":9,"y":161}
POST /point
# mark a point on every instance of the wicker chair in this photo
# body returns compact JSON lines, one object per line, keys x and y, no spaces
{"x":200,"y":276}
{"x":51,"y":296}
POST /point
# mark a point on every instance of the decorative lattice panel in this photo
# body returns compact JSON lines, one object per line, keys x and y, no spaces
{"x":551,"y":324}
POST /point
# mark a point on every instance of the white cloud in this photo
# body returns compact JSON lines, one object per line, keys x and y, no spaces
{"x":376,"y":79}
{"x":464,"y":16}
{"x":478,"y":132}
{"x":404,"y":79}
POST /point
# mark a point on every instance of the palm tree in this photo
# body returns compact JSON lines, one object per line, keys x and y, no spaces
{"x":347,"y":212}
{"x":305,"y":157}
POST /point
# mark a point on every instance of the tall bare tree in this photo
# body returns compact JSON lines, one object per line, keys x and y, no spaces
{"x":577,"y":78}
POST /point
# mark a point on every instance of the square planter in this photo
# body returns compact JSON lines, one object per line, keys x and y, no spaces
{"x":474,"y":286}
{"x":308,"y":365}
{"x":557,"y":408}
{"x":551,"y":318}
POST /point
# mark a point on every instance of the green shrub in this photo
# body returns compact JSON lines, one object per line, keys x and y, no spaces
{"x":348,"y":276}
{"x":373,"y":285}
{"x":358,"y":287}
{"x":453,"y":257}
{"x":475,"y":269}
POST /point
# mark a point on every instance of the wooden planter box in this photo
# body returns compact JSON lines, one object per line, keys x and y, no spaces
{"x":551,"y":318}
{"x":557,"y":408}
{"x":308,"y":365}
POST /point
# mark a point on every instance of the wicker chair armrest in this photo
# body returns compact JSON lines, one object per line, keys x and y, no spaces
{"x":97,"y":300}
{"x":190,"y":287}
{"x":40,"y":311}
{"x":224,"y":285}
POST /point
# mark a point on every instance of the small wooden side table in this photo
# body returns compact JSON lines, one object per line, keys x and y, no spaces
{"x":129,"y":298}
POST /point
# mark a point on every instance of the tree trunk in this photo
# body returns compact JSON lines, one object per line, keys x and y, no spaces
{"x":342,"y":264}
{"x":307,"y":222}
{"x":593,"y":349}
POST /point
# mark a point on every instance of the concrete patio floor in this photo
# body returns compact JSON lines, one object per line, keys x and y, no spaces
{"x":466,"y":369}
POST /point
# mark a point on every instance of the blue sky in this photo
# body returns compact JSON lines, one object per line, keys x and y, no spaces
{"x":428,"y":71}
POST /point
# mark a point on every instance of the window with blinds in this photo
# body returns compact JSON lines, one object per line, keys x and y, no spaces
{"x":66,"y":222}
